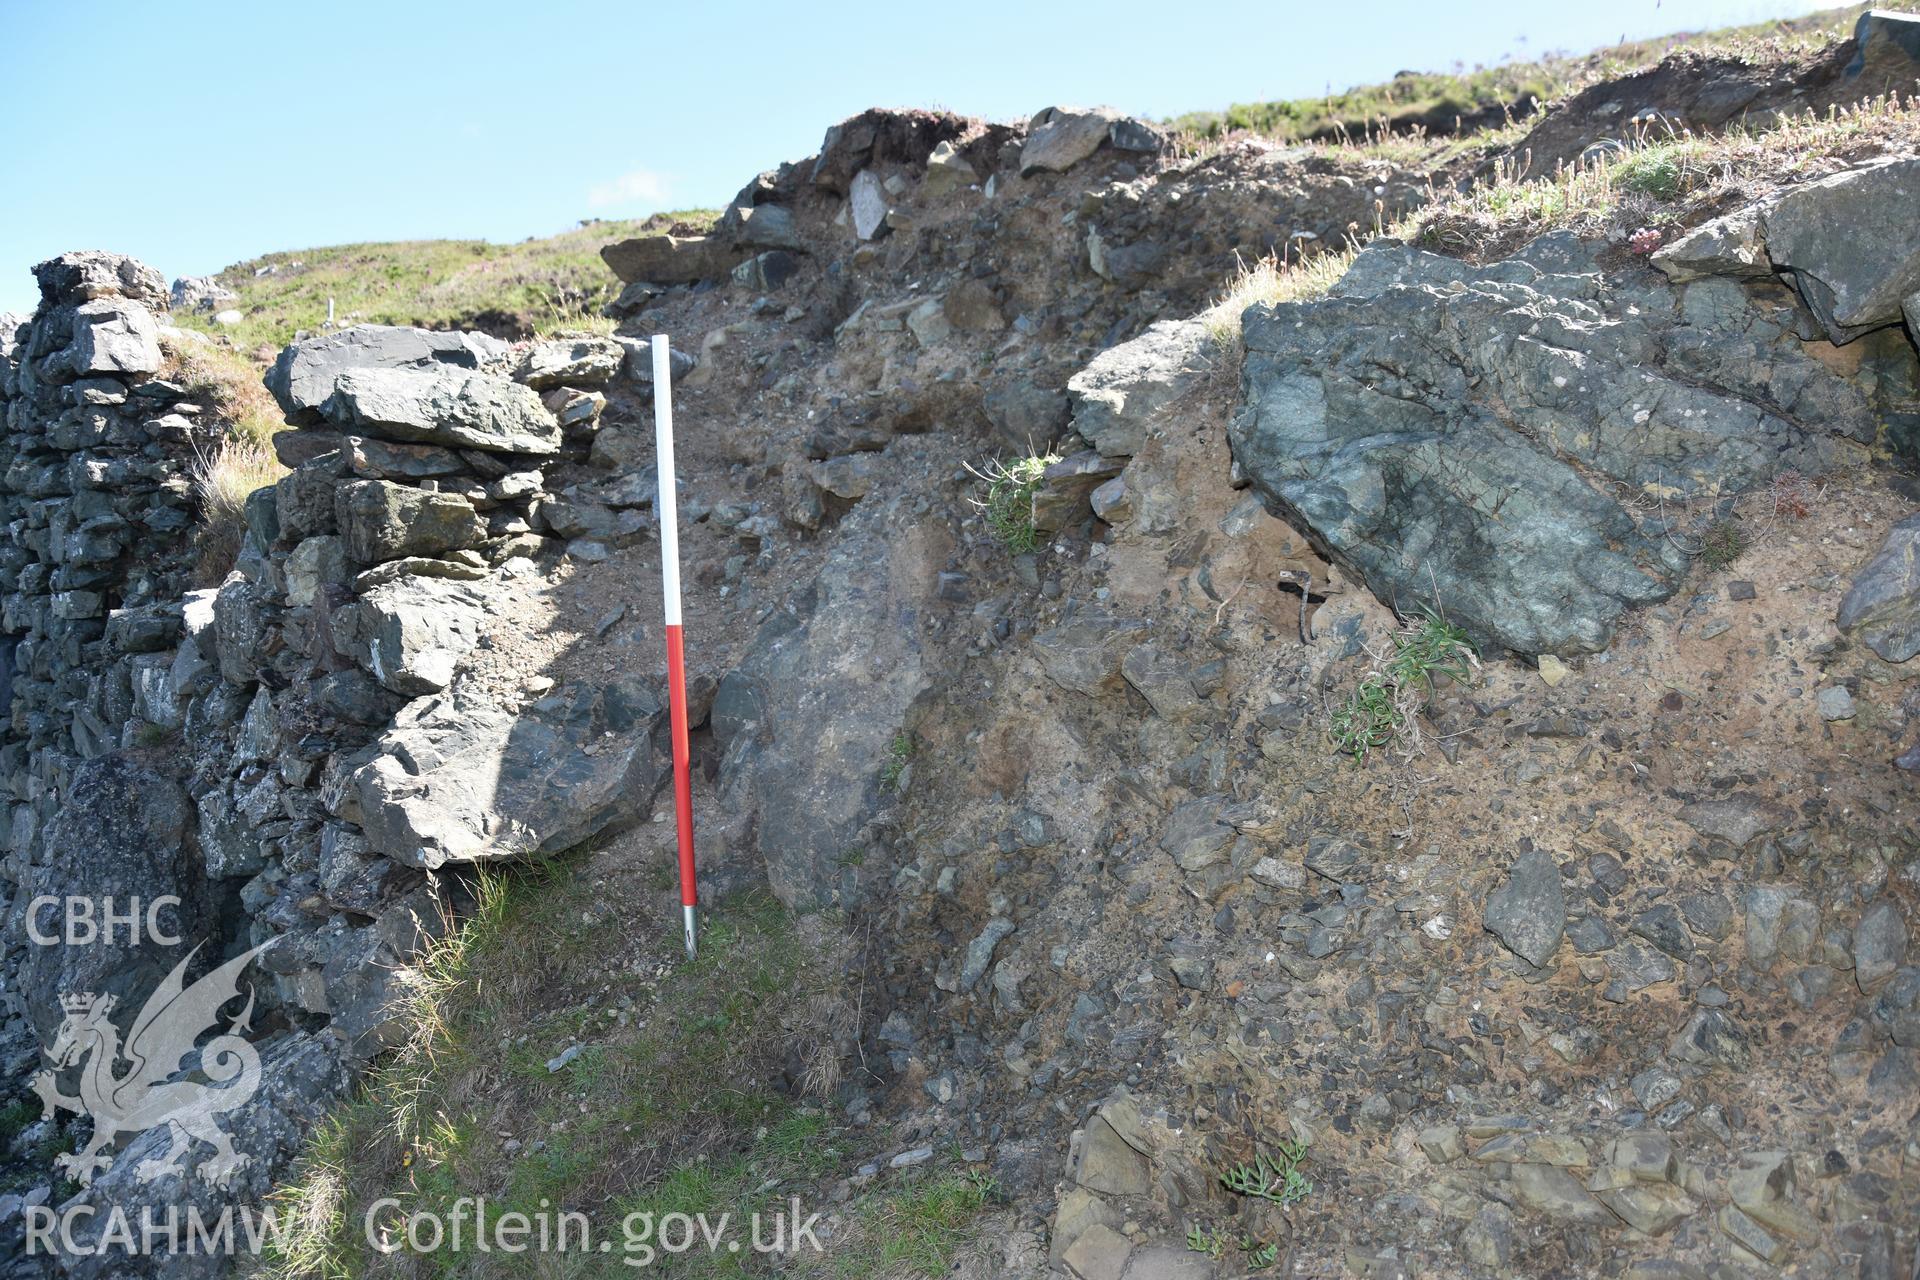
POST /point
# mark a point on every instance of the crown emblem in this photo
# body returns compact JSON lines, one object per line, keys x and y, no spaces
{"x":84,"y":1002}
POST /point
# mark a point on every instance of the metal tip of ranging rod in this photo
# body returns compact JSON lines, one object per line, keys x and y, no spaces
{"x":693,"y":946}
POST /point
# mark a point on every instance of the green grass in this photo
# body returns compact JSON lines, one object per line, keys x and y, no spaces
{"x":1371,"y":718}
{"x":1722,"y":543}
{"x":15,"y":1117}
{"x":1008,"y":504}
{"x":1416,"y":99}
{"x":1658,"y":182}
{"x":672,"y":1099}
{"x":914,"y":1228}
{"x":1408,"y":98}
{"x":533,"y":285}
{"x":1384,"y":707}
{"x":899,"y":756}
{"x":1273,"y":1176}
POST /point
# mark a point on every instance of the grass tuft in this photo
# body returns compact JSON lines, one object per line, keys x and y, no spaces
{"x":1383,"y":709}
{"x":1722,"y":543}
{"x":1008,"y":504}
{"x":222,"y":477}
{"x":227,"y":384}
{"x":1271,"y":281}
{"x":1274,"y":1176}
{"x":899,"y":756}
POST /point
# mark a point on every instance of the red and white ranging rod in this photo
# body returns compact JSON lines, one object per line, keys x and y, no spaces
{"x":676,"y":653}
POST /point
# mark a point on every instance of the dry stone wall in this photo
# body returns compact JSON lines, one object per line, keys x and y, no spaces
{"x":290,"y":760}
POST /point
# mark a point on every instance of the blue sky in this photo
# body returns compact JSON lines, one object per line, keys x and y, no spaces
{"x":195,"y":135}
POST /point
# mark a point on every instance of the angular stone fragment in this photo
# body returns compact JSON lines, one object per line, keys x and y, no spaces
{"x":461,"y":778}
{"x":1117,"y":396}
{"x":113,"y":336}
{"x":379,"y":520}
{"x":1462,"y":434}
{"x":451,"y":407}
{"x":1084,"y":653}
{"x":570,"y":362}
{"x":670,"y":259}
{"x":411,"y":633}
{"x":1529,"y":912}
{"x":1733,"y":245}
{"x":1851,"y":243}
{"x":1879,"y":943}
{"x":1883,"y":604}
{"x":1735,"y":821}
{"x":1551,"y":1190}
{"x":1195,"y":834}
{"x":302,"y":377}
{"x":87,"y":274}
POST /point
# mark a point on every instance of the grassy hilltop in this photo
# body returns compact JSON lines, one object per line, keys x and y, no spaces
{"x":512,"y":290}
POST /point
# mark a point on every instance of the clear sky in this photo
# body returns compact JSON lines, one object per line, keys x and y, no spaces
{"x":196,"y":134}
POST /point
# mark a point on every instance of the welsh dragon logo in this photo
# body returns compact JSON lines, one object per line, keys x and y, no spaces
{"x":140,"y":1098}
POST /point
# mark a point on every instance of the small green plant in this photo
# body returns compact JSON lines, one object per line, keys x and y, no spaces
{"x":899,"y":756}
{"x":1204,"y":1239}
{"x":1275,"y":1177}
{"x":1008,"y":506}
{"x":1657,"y":171}
{"x":1723,"y":542}
{"x":1369,"y":719}
{"x":1434,"y":647}
{"x":152,"y":735}
{"x":1382,"y":708}
{"x":1260,"y":1253}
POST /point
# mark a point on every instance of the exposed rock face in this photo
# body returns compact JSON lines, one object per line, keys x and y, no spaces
{"x":1846,"y":242}
{"x":170,"y":741}
{"x":302,"y":1076}
{"x":1883,"y":604}
{"x":849,"y":658}
{"x":302,"y":378}
{"x":459,"y":778}
{"x":1113,"y":844}
{"x":1453,"y":433}
{"x":1117,"y":395}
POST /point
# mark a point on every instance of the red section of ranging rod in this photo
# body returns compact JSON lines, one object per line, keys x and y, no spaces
{"x":667,"y":507}
{"x":682,"y":762}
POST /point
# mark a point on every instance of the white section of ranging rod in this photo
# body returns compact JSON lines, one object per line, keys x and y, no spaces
{"x":666,"y":507}
{"x":686,"y":919}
